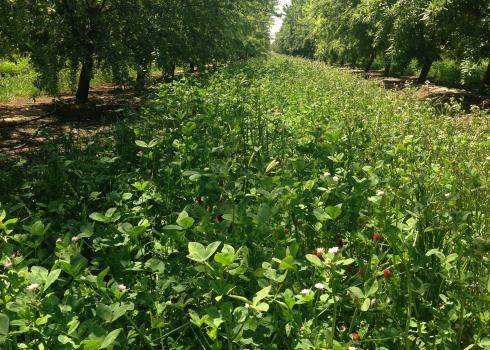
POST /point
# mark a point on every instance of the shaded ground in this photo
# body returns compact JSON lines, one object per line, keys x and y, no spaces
{"x":25,"y":123}
{"x":439,"y":95}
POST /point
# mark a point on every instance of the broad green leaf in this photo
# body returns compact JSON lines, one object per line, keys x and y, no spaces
{"x":90,"y":344}
{"x":100,"y":277}
{"x":99,"y":217}
{"x":334,"y":212}
{"x":153,"y":143}
{"x":43,"y":320}
{"x":110,"y":338}
{"x":121,"y":309}
{"x":287,"y":263}
{"x":37,"y":228}
{"x":63,"y":339}
{"x":366,"y":304}
{"x":357,"y":292}
{"x":195,"y":177}
{"x":314,"y":260}
{"x":228,"y":217}
{"x":73,"y":325}
{"x":262,"y":307}
{"x":110,"y":212}
{"x":224,"y":259}
{"x":373,"y":289}
{"x":38,"y":274}
{"x":485,"y":342}
{"x":227,"y":255}
{"x":261,"y":294}
{"x":196,"y":319}
{"x":141,"y":143}
{"x":155,"y":265}
{"x":451,"y":257}
{"x":52,"y":277}
{"x":435,"y":252}
{"x":104,"y":312}
{"x":4,"y":324}
{"x":199,"y":253}
{"x":320,"y":214}
{"x":186,"y":222}
{"x":347,"y":261}
{"x":126,"y":196}
{"x":141,"y":186}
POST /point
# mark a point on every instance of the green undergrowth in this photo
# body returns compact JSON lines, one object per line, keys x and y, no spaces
{"x":18,"y":79}
{"x":446,"y":72}
{"x":273,"y":204}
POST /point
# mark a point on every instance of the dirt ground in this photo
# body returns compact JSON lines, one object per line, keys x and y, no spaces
{"x":24,"y":123}
{"x":436,"y":93}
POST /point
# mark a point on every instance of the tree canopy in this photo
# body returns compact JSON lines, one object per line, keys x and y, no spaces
{"x":395,"y":31}
{"x":124,"y":34}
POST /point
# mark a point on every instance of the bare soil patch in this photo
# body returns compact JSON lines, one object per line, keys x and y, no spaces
{"x":25,"y":123}
{"x":437,"y":94}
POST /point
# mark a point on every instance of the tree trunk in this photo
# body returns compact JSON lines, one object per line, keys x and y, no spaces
{"x":424,"y":72}
{"x":386,"y":72}
{"x":169,"y":72}
{"x":140,"y":79}
{"x":84,"y":80}
{"x":370,"y":62}
{"x":486,"y":78}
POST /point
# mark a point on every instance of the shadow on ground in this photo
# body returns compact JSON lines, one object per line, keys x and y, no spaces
{"x":25,"y":124}
{"x":438,"y":95}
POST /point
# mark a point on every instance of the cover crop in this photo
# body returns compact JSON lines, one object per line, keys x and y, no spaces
{"x":275,"y":204}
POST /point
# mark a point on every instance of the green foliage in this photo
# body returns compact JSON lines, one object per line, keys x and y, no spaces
{"x":237,"y":210}
{"x":394,"y":31}
{"x":18,"y":79}
{"x":120,"y":35}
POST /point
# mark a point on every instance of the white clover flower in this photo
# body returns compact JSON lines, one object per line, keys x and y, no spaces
{"x":352,"y":348}
{"x":373,"y":301}
{"x":304,"y":291}
{"x":380,"y":193}
{"x":121,"y":287}
{"x":487,"y":158}
{"x":326,"y":174}
{"x":335,"y":178}
{"x":333,"y":250}
{"x":75,"y":238}
{"x":447,"y":195}
{"x":247,"y":305}
{"x":319,"y":286}
{"x":320,"y":251}
{"x":32,"y":287}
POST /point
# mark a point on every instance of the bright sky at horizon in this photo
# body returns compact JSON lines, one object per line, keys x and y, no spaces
{"x":277,"y":20}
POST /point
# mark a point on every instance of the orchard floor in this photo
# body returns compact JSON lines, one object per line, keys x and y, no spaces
{"x":26,"y":123}
{"x":438,"y":94}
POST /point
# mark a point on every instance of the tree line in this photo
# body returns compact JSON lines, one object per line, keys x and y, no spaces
{"x":395,"y":32}
{"x":121,"y":35}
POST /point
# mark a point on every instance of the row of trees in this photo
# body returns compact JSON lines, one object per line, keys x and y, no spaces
{"x":125,"y":34}
{"x":394,"y":31}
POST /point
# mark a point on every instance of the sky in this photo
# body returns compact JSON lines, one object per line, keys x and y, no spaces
{"x":277,"y":20}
